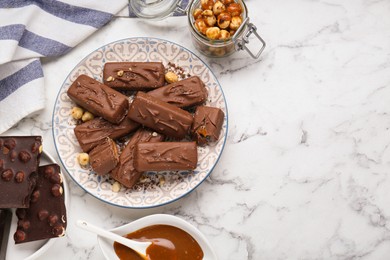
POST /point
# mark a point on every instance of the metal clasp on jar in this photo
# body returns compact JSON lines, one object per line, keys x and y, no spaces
{"x":241,"y":40}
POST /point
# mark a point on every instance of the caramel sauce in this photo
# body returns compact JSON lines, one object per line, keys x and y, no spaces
{"x":168,"y":243}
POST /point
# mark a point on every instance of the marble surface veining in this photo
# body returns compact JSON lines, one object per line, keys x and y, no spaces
{"x":305,"y":171}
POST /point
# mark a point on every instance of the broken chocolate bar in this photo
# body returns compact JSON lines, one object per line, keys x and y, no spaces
{"x":104,"y":157}
{"x":99,"y":99}
{"x":125,"y":172}
{"x":19,"y":160}
{"x":93,"y":132}
{"x":46,"y":216}
{"x":134,"y":75}
{"x":207,"y":124}
{"x":160,"y":116}
{"x":165,"y":156}
{"x":185,"y":93}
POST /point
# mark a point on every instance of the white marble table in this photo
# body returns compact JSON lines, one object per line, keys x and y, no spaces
{"x":305,"y":171}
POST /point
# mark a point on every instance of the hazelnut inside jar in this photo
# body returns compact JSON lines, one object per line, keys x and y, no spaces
{"x":218,"y":26}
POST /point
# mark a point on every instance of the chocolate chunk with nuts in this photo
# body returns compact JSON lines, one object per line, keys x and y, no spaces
{"x":104,"y":157}
{"x":19,"y":160}
{"x":46,"y":216}
{"x":207,"y":124}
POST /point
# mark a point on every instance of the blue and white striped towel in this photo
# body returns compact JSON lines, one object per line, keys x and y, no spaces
{"x":30,"y":29}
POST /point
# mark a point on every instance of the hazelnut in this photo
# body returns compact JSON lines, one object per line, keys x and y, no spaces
{"x":53,"y":219}
{"x":224,"y":35}
{"x":7,"y":175}
{"x":19,"y":177}
{"x":49,"y":171}
{"x":24,"y":224}
{"x":77,"y":113}
{"x":19,"y":236}
{"x":207,"y":13}
{"x":110,"y":78}
{"x":13,"y":155}
{"x":201,"y":25}
{"x":198,"y":13}
{"x":224,"y":20}
{"x":171,"y":77}
{"x":234,"y":9}
{"x":235,"y":23}
{"x":87,"y":116}
{"x":24,"y":156}
{"x":116,"y":187}
{"x":56,"y":179}
{"x":35,"y":147}
{"x":58,"y":230}
{"x":35,"y":196}
{"x":43,"y":214}
{"x":207,"y":4}
{"x":120,"y":73}
{"x":227,"y":2}
{"x":56,"y":190}
{"x":210,"y":20}
{"x":218,"y":8}
{"x":83,"y":159}
{"x":10,"y":143}
{"x":213,"y":33}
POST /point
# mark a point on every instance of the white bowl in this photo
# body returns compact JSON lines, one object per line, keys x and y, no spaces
{"x":158,"y":219}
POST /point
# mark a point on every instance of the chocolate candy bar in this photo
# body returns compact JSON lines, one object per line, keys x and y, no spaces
{"x":93,"y":132}
{"x":19,"y":160}
{"x":125,"y":172}
{"x":99,"y":99}
{"x":207,"y":124}
{"x":46,"y":216}
{"x":134,"y":75}
{"x":165,"y":156}
{"x":104,"y":157}
{"x":185,"y":93}
{"x":160,"y":116}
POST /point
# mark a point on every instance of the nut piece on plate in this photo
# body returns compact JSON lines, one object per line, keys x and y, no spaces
{"x":171,"y":77}
{"x":77,"y":113}
{"x":213,"y":33}
{"x":87,"y":116}
{"x":83,"y":159}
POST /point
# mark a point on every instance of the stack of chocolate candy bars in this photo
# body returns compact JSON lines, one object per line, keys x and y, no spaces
{"x":157,"y":121}
{"x":35,"y":191}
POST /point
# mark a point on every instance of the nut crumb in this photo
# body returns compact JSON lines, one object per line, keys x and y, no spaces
{"x":171,"y":77}
{"x":120,"y":73}
{"x":116,"y":187}
{"x":110,"y":78}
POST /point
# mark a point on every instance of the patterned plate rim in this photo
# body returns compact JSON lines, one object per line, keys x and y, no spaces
{"x":166,"y":202}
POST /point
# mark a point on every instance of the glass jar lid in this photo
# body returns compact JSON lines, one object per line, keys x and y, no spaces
{"x":153,"y":9}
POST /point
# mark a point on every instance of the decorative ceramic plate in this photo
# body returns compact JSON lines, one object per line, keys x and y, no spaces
{"x":154,"y":188}
{"x":35,"y":249}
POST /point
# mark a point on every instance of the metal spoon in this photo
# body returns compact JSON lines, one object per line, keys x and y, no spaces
{"x":139,"y":247}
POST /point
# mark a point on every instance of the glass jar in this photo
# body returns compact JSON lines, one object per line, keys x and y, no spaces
{"x":223,"y":48}
{"x":155,"y":9}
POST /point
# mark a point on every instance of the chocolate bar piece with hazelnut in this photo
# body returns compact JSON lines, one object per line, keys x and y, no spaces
{"x":165,"y":156}
{"x":125,"y":172}
{"x":99,"y":99}
{"x":134,"y":75}
{"x":19,"y":160}
{"x":184,"y":93}
{"x":46,"y":216}
{"x":160,"y":116}
{"x":207,"y":124}
{"x":93,"y":132}
{"x":104,"y":157}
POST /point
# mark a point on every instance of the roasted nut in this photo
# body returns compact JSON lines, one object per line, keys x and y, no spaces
{"x":35,"y":147}
{"x":110,"y":78}
{"x":58,"y":230}
{"x":7,"y":175}
{"x":49,"y":171}
{"x":210,"y":20}
{"x":120,"y":73}
{"x":201,"y":25}
{"x":1,"y":164}
{"x":83,"y":159}
{"x":35,"y":196}
{"x":53,"y":219}
{"x":171,"y":77}
{"x":116,"y":187}
{"x":227,"y":2}
{"x":13,"y":155}
{"x":224,"y":35}
{"x":23,"y":224}
{"x":43,"y":214}
{"x":77,"y":113}
{"x":56,"y":179}
{"x":207,"y":4}
{"x":19,"y":236}
{"x":207,"y":13}
{"x":213,"y":33}
{"x":234,"y":9}
{"x":87,"y":116}
{"x":224,"y":20}
{"x":19,"y":177}
{"x":10,"y":143}
{"x":24,"y":156}
{"x":56,"y":190}
{"x":218,"y":8}
{"x":235,"y":23}
{"x":197,"y":13}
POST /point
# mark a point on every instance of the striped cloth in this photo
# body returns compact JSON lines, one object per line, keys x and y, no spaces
{"x":30,"y":29}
